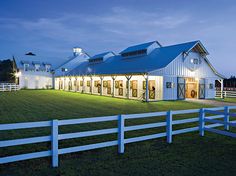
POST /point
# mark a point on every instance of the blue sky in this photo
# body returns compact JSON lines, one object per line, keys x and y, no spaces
{"x":51,"y":28}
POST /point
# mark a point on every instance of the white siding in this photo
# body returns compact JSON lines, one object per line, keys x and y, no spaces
{"x":181,"y":67}
{"x":35,"y":80}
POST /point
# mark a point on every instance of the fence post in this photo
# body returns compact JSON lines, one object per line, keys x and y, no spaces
{"x":55,"y":143}
{"x":169,"y":126}
{"x":201,"y":122}
{"x":226,"y":118}
{"x":121,"y":134}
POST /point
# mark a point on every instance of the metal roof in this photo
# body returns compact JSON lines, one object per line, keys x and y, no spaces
{"x":157,"y":59}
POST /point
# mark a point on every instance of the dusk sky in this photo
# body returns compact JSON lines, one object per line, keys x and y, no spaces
{"x":52,"y":28}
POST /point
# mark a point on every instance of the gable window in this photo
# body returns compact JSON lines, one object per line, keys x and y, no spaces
{"x":195,"y":61}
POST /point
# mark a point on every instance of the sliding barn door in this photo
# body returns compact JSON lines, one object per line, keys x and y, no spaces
{"x":202,"y":88}
{"x":181,"y":88}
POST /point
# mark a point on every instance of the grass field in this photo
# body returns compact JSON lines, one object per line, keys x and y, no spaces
{"x":189,"y":154}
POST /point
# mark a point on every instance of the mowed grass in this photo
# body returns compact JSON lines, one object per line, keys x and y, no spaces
{"x":189,"y":154}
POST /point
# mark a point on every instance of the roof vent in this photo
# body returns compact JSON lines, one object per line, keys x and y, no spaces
{"x":141,"y":49}
{"x":30,"y":54}
{"x":101,"y":57}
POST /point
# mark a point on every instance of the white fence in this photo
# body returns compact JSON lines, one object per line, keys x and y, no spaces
{"x":219,"y":116}
{"x":226,"y":94}
{"x":8,"y":87}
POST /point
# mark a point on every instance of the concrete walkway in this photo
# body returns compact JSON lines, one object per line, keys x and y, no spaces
{"x":211,"y":102}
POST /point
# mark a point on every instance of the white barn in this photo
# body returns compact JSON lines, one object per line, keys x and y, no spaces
{"x":33,"y":74}
{"x":148,"y":71}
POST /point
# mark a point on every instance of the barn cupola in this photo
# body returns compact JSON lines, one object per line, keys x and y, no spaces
{"x":140,"y":50}
{"x":77,"y":51}
{"x":101,"y":57}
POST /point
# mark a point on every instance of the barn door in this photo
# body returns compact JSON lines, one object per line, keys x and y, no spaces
{"x":181,"y":88}
{"x":201,"y":88}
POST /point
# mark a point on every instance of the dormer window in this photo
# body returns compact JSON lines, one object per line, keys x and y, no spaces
{"x":37,"y":66}
{"x":26,"y":67}
{"x":47,"y":67}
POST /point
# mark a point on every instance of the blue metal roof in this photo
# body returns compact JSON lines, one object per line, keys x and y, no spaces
{"x":31,"y":60}
{"x":157,"y":59}
{"x":139,"y":47}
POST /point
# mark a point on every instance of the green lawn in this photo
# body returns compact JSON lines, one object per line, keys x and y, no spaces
{"x":189,"y":154}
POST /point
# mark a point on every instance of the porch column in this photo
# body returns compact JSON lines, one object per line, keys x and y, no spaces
{"x":147,"y":90}
{"x":83,"y":87}
{"x":221,"y":88}
{"x":113,"y":85}
{"x":101,"y":92}
{"x":75,"y":84}
{"x":128,"y":85}
{"x":91,"y":84}
{"x":64,"y":83}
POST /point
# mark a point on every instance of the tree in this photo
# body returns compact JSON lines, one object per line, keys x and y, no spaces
{"x":7,"y":71}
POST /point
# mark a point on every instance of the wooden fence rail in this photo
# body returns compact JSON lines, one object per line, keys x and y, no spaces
{"x":226,"y":94}
{"x":8,"y":87}
{"x":55,"y":137}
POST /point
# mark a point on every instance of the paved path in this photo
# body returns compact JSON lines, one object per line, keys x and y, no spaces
{"x":211,"y":102}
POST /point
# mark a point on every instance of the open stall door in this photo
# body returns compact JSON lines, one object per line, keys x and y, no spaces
{"x":181,"y":88}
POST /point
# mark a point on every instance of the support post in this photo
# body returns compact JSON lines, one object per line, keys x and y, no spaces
{"x":221,"y":88}
{"x":83,"y":87}
{"x":201,"y":122}
{"x":64,"y":83}
{"x":128,"y":85}
{"x":113,"y":85}
{"x":91,"y":84}
{"x":169,"y":127}
{"x":226,"y":118}
{"x":75,"y":84}
{"x":147,"y":90}
{"x":55,"y":143}
{"x":121,"y":134}
{"x":101,"y":92}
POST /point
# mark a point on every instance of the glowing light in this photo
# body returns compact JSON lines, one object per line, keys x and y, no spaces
{"x":17,"y":74}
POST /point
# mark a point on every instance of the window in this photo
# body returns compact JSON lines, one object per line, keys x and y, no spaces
{"x":104,"y":83}
{"x":26,"y":67}
{"x":81,"y":83}
{"x":195,"y":61}
{"x":211,"y":86}
{"x":47,"y":67}
{"x":88,"y":83}
{"x":169,"y":85}
{"x":37,"y":67}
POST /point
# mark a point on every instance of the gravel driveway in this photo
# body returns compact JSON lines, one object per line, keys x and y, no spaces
{"x":211,"y":102}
